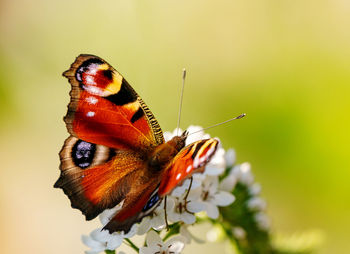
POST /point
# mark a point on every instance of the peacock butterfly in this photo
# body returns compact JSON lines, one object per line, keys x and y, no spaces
{"x":116,"y":151}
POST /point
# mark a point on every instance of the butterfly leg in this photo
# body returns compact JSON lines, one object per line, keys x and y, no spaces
{"x":165,"y":215}
{"x":188,"y":192}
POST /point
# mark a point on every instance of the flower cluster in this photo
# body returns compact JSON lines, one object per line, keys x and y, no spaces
{"x":241,"y":175}
{"x":245,"y":222}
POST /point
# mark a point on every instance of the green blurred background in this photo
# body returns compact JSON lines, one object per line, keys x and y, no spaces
{"x":284,"y":63}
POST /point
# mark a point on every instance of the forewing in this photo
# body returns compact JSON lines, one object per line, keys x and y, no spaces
{"x":105,"y":110}
{"x":190,"y":159}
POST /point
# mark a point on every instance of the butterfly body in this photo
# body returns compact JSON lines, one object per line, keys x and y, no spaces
{"x":116,"y":150}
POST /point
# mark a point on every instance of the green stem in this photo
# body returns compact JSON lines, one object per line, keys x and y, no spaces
{"x":110,"y":251}
{"x":131,"y":244}
{"x":173,"y":230}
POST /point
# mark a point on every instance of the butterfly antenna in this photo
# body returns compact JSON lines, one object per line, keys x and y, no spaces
{"x":181,"y":98}
{"x":229,"y":120}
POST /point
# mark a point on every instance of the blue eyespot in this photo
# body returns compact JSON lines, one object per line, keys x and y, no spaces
{"x":83,"y":153}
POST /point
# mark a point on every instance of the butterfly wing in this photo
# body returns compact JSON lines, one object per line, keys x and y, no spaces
{"x":103,"y":161}
{"x":105,"y":110}
{"x":95,"y":177}
{"x":190,"y":159}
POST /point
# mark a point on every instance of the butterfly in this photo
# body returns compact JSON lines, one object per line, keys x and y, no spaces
{"x":116,"y":150}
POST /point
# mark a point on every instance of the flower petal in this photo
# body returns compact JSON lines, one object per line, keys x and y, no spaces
{"x":188,"y":218}
{"x":92,"y":252}
{"x":256,"y":204}
{"x":173,"y":216}
{"x":148,"y":250}
{"x":255,"y":189}
{"x":214,"y":170}
{"x":230,"y":157}
{"x":262,"y":221}
{"x":223,"y":198}
{"x":114,"y":242}
{"x":144,"y":226}
{"x":246,"y":176}
{"x":170,"y":204}
{"x":196,"y":206}
{"x":176,"y":244}
{"x":212,"y":211}
{"x":93,"y":244}
{"x":158,"y":222}
{"x":228,"y":183}
{"x":100,"y":235}
{"x":152,"y":239}
{"x":132,"y":231}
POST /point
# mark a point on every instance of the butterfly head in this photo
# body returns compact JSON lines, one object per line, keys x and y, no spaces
{"x":180,"y":141}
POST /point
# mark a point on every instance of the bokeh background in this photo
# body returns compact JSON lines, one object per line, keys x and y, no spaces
{"x":284,"y":63}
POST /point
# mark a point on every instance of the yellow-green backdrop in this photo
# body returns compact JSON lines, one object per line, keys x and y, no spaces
{"x":284,"y":63}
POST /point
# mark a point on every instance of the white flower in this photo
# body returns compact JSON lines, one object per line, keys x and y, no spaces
{"x":256,"y":204}
{"x":239,"y":233}
{"x":255,"y":189}
{"x":181,"y":209}
{"x":245,"y":175}
{"x":239,"y":173}
{"x":96,"y":246}
{"x":229,"y":182}
{"x":230,"y":157}
{"x":211,"y":196}
{"x":262,"y":221}
{"x":155,"y":245}
{"x":100,"y":240}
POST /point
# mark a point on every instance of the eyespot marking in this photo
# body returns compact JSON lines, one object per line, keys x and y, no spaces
{"x":88,"y":65}
{"x":83,"y":153}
